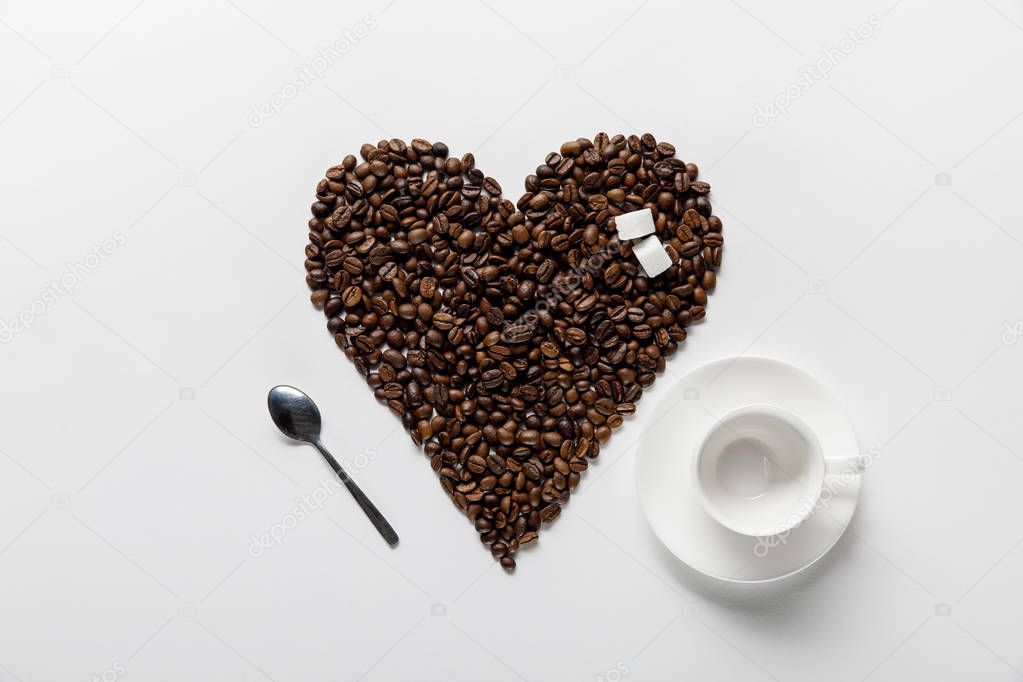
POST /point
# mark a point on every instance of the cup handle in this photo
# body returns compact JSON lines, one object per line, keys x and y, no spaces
{"x":837,"y":467}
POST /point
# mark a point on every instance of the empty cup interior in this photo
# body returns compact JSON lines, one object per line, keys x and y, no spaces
{"x":759,"y":471}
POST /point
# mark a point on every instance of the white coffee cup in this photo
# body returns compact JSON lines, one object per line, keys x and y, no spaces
{"x":760,"y":470}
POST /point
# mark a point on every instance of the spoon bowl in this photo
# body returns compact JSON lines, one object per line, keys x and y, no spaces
{"x":294,"y":413}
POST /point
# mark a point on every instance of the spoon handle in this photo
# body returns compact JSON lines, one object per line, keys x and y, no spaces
{"x":372,"y":512}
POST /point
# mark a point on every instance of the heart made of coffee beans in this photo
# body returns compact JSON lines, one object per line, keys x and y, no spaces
{"x":511,"y":339}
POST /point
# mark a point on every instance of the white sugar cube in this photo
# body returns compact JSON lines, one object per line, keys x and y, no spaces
{"x":652,"y":256}
{"x":635,"y":224}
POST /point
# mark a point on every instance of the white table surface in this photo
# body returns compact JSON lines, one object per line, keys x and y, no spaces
{"x":873,"y":237}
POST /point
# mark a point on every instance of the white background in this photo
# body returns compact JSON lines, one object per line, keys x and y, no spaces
{"x":137,"y":457}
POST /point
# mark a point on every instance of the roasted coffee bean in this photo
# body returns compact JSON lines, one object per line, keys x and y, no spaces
{"x":518,"y":333}
{"x":351,"y":296}
{"x":550,"y":512}
{"x":532,"y":470}
{"x":319,"y":297}
{"x":528,"y":437}
{"x":510,"y":341}
{"x":492,"y":187}
{"x":492,"y":378}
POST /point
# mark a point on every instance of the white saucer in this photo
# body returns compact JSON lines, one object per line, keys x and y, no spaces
{"x":664,"y":471}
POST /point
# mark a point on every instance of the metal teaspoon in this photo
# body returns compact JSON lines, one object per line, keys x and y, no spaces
{"x":297,"y":416}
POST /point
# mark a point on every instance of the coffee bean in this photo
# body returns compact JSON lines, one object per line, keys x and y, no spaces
{"x":511,"y":343}
{"x":532,"y":470}
{"x":351,"y":296}
{"x":529,"y":437}
{"x":518,"y":333}
{"x":394,"y":358}
{"x":492,"y":378}
{"x":319,"y":297}
{"x":496,"y":463}
{"x":340,"y":218}
{"x":550,"y":512}
{"x":492,"y":187}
